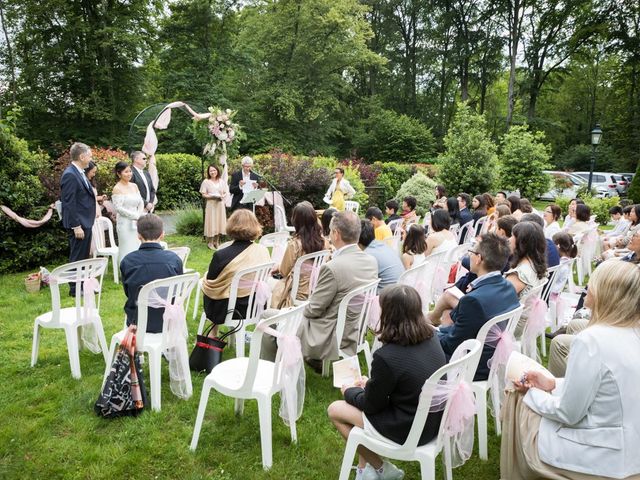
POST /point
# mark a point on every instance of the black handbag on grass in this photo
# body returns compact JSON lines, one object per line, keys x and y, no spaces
{"x":207,"y":352}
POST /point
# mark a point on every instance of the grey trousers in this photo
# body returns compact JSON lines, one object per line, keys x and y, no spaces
{"x":561,"y":346}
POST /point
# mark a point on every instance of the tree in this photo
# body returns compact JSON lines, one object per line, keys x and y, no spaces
{"x":523,"y":158}
{"x":469,"y":161}
{"x":420,"y":187}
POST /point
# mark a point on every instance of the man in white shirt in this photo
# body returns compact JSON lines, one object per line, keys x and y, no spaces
{"x":142,"y":179}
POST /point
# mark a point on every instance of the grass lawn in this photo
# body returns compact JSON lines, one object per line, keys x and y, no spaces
{"x":49,"y":430}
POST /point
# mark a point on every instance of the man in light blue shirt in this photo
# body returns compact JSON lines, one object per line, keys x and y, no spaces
{"x":389,"y":264}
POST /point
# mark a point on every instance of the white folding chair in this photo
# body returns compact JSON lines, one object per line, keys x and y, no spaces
{"x":359,"y":299}
{"x":527,"y":302}
{"x":426,"y":223}
{"x":173,"y":290}
{"x":417,"y":277}
{"x":461,"y":370}
{"x":587,"y":243}
{"x":396,"y":239}
{"x":481,"y":387}
{"x":480,"y":223}
{"x":183,"y":253}
{"x":455,"y":228}
{"x":311,"y":264}
{"x":251,"y":278}
{"x":101,"y":225}
{"x":277,"y":241}
{"x":252,"y":378}
{"x":466,"y":232}
{"x":437,"y":273}
{"x":70,"y":318}
{"x":351,"y":206}
{"x":280,"y":220}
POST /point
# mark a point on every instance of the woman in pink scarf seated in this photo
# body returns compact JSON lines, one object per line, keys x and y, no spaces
{"x":386,"y":403}
{"x":243,"y":228}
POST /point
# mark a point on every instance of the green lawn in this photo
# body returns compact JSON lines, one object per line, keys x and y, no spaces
{"x":49,"y":429}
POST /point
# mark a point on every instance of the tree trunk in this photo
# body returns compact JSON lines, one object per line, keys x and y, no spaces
{"x":515,"y":14}
{"x":12,"y":67}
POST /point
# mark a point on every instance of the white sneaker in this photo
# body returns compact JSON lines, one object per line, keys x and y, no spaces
{"x":390,"y":472}
{"x":368,"y":473}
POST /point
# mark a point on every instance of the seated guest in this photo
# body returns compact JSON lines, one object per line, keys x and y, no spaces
{"x":505,"y":226}
{"x":307,"y":238}
{"x":501,"y":197}
{"x":479,"y":205}
{"x":440,"y":237}
{"x":243,"y":228}
{"x":386,"y":403}
{"x":622,"y":242}
{"x":391,"y":208}
{"x":325,"y":220}
{"x":514,"y":202}
{"x":551,"y":216}
{"x":441,"y":197}
{"x":409,"y":214}
{"x":501,"y":210}
{"x":349,"y":268}
{"x":620,"y":220}
{"x":414,"y":247}
{"x":567,"y":250}
{"x":382,"y":230}
{"x":489,"y":202}
{"x":464,"y":202}
{"x":570,"y":218}
{"x":581,"y":224}
{"x":389,"y":265}
{"x":525,"y":206}
{"x":553,"y":258}
{"x":529,"y":258}
{"x":453,"y":210}
{"x":585,"y":425}
{"x":490,"y":295}
{"x":150,"y":262}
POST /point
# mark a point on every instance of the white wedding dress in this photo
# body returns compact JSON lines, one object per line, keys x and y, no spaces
{"x":130,"y":208}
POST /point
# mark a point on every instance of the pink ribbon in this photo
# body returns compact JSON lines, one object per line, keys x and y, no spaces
{"x":262,"y":293}
{"x":25,"y":222}
{"x":462,"y":407}
{"x":535,"y":326}
{"x":503,"y":343}
{"x":313,"y":271}
{"x":373,"y":316}
{"x":440,"y":280}
{"x":88,"y":334}
{"x":290,"y":355}
{"x":561,"y":305}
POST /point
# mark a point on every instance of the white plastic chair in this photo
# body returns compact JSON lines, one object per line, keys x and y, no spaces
{"x":465,"y":231}
{"x":527,"y":303}
{"x":426,"y":223}
{"x":436,"y":266}
{"x":70,"y":318}
{"x":277,"y":241}
{"x":409,"y":450}
{"x":183,"y":253}
{"x":455,"y":228}
{"x":254,"y":275}
{"x":312,"y":262}
{"x":175,"y":290}
{"x":280,"y":220}
{"x":396,"y":239}
{"x":416,"y":274}
{"x":587,"y":243}
{"x":480,"y":223}
{"x":366,"y":293}
{"x":351,"y":206}
{"x":101,"y":225}
{"x":481,"y":387}
{"x":252,"y":378}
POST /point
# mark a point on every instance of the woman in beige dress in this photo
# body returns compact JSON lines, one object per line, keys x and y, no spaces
{"x":585,"y":425}
{"x":214,"y":190}
{"x":306,"y":239}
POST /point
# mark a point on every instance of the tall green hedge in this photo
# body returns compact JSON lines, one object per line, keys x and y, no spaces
{"x":180,"y":178}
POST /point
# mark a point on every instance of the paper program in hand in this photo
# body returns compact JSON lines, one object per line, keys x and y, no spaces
{"x":346,"y":371}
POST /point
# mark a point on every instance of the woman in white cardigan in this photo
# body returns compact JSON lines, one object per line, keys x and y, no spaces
{"x":586,"y":425}
{"x":339,"y":190}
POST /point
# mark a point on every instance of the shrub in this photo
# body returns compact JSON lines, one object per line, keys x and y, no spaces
{"x":180,"y":178}
{"x":21,"y":190}
{"x":422,"y":188}
{"x":189,"y":221}
{"x":368,"y":173}
{"x":388,"y":136}
{"x":522,"y":161}
{"x":391,"y":177}
{"x":469,"y":162}
{"x":599,"y":206}
{"x":634,"y":189}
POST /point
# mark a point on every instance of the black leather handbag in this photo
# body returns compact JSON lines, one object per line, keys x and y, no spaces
{"x":207,"y":352}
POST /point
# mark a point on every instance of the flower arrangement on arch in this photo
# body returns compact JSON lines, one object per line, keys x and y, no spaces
{"x":223,"y":132}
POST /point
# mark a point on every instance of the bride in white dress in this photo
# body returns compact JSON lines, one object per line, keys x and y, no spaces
{"x":129,"y":207}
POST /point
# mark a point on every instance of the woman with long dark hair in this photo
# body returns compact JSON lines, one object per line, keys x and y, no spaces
{"x":440,"y":237}
{"x":453,"y":209}
{"x":441,"y":197}
{"x":479,"y":204}
{"x":414,"y":247}
{"x":529,"y":257}
{"x":386,"y":403}
{"x":306,"y":239}
{"x":514,"y":202}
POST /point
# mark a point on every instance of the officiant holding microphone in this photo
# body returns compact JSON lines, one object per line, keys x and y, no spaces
{"x":242,"y":182}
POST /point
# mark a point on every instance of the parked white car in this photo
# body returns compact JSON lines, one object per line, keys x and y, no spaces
{"x":603,"y":182}
{"x":563,"y":184}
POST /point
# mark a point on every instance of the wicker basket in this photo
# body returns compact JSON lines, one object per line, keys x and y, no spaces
{"x":32,"y":283}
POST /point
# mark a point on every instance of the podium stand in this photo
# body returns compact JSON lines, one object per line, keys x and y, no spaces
{"x":252,"y":197}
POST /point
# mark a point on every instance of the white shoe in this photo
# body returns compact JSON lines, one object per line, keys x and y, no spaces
{"x":368,"y":473}
{"x":390,"y":472}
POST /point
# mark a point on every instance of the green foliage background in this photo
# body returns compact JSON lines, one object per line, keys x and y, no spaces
{"x":422,"y":188}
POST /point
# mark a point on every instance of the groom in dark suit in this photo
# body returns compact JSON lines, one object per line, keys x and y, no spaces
{"x":142,"y":179}
{"x":243,"y":182}
{"x":78,"y":205}
{"x":490,"y":295}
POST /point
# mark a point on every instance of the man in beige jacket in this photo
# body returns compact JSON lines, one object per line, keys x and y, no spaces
{"x":348,"y":269}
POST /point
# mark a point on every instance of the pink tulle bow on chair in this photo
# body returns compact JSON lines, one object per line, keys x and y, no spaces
{"x":440,"y":280}
{"x":504,"y":343}
{"x":373,"y":315}
{"x":535,"y":326}
{"x":175,"y":342}
{"x":89,"y":334}
{"x":313,"y":271}
{"x":292,"y":375}
{"x":263,"y":293}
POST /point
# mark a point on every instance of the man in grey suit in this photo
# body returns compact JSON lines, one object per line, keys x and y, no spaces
{"x":348,"y":269}
{"x":142,"y":179}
